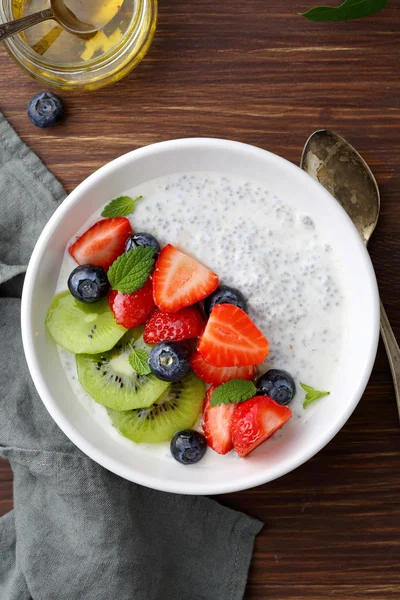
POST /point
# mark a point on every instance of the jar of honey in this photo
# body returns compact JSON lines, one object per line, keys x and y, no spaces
{"x":70,"y":62}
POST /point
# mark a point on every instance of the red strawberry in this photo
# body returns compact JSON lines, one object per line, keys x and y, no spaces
{"x":180,"y":281}
{"x":131,"y":310}
{"x":231,"y":339}
{"x":102,"y":243}
{"x":256,"y":420}
{"x":219,"y":375}
{"x":182,"y":325}
{"x":216,"y":424}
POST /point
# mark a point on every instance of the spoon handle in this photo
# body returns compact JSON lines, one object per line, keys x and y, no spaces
{"x":392,"y":351}
{"x":13,"y":27}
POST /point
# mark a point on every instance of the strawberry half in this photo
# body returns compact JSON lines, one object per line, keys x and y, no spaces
{"x":256,"y":420}
{"x":216,"y":423}
{"x":218,"y":375}
{"x":180,"y":281}
{"x":102,"y":243}
{"x":231,"y":339}
{"x":131,"y":310}
{"x":182,"y":325}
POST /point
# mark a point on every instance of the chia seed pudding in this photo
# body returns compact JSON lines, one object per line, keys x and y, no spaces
{"x":269,"y":250}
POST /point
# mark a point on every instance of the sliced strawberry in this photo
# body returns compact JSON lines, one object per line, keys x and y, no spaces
{"x":217,"y":421}
{"x":256,"y":420}
{"x":131,"y":310}
{"x":218,"y":375}
{"x":180,"y":281}
{"x":231,"y":339}
{"x":102,"y":243}
{"x":182,"y":325}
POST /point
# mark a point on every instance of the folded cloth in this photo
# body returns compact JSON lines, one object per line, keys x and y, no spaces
{"x":78,"y":531}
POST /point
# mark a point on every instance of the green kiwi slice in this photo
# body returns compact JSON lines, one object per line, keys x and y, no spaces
{"x":178,"y":408}
{"x":82,"y":328}
{"x":110,"y":380}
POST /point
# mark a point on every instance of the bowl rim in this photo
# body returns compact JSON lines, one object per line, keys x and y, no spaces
{"x":113,"y":465}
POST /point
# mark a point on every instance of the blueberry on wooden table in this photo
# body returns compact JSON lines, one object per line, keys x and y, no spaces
{"x":45,"y":109}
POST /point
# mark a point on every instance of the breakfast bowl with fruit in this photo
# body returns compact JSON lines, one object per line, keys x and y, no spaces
{"x":200,"y":316}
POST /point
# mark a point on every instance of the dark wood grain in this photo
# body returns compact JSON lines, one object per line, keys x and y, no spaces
{"x":6,"y":503}
{"x":255,"y":71}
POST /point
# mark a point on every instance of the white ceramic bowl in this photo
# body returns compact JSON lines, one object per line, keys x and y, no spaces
{"x":217,"y":474}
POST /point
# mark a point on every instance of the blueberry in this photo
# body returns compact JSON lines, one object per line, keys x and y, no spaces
{"x":278,"y":385}
{"x":45,"y":109}
{"x":224,"y":295}
{"x":142,"y":239}
{"x":88,"y":283}
{"x":169,"y":361}
{"x":188,"y":446}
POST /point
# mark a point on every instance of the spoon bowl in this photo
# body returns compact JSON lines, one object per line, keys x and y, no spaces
{"x":332,"y":161}
{"x":69,"y":21}
{"x":57,"y":11}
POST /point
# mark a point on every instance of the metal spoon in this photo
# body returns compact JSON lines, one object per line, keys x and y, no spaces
{"x":58,"y":12}
{"x":333,"y":162}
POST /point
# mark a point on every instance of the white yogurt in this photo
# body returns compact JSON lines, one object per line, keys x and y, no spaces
{"x":269,"y":250}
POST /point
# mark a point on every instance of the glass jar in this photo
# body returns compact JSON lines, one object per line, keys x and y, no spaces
{"x":95,"y":72}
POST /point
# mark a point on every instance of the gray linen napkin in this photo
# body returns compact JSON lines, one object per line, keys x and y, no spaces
{"x":77,"y":531}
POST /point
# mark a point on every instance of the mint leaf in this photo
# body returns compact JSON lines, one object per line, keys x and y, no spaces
{"x":130,"y":271}
{"x":120,"y":207}
{"x":138,"y":359}
{"x":350,"y":9}
{"x":237,"y":390}
{"x":312,"y":394}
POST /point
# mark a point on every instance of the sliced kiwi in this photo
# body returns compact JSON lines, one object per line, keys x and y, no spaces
{"x":110,"y":380}
{"x":178,"y":408}
{"x":82,"y":328}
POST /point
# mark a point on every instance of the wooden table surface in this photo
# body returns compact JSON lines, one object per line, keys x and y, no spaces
{"x":257,"y":72}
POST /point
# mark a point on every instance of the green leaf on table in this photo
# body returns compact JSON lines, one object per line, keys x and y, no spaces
{"x":139,"y":361}
{"x":350,"y":9}
{"x":237,"y":390}
{"x":130,"y":271}
{"x":312,"y":394}
{"x":120,"y":207}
